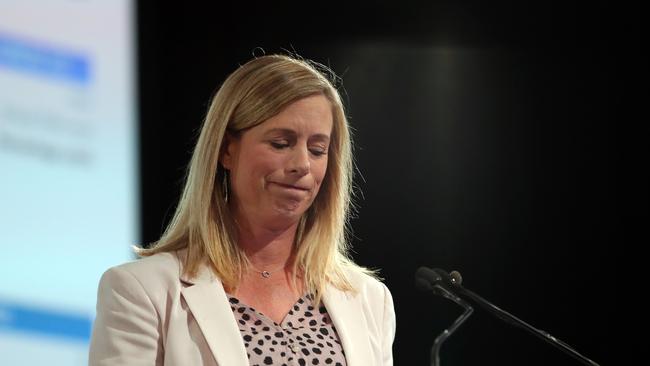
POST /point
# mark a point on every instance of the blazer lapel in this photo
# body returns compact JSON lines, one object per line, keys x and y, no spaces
{"x":347,"y":316}
{"x":209,"y":305}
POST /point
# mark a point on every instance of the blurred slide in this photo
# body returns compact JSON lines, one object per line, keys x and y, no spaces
{"x":68,"y":170}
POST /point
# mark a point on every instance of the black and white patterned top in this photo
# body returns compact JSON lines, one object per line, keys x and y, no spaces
{"x":305,"y":337}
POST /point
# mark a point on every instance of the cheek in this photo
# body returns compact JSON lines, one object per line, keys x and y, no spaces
{"x":261,"y":164}
{"x":319,"y":171}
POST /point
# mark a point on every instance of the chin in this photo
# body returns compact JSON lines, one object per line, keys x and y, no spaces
{"x":290,"y":211}
{"x":287,"y":212}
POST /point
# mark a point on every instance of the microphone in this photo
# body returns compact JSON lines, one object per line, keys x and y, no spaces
{"x":429,"y":280}
{"x":452,"y":282}
{"x":426,"y":279}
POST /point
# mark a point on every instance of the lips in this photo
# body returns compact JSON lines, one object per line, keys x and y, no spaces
{"x":290,"y":186}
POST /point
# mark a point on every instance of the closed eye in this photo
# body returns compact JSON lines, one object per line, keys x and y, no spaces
{"x":318,"y":152}
{"x":279,"y":145}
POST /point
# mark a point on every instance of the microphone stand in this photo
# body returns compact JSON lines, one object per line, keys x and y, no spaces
{"x":453,"y":282}
{"x":428,"y":280}
{"x":437,"y":343}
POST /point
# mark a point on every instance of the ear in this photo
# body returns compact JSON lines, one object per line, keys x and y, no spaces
{"x":227,"y":150}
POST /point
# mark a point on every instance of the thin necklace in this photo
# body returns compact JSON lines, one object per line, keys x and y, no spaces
{"x":266,"y":274}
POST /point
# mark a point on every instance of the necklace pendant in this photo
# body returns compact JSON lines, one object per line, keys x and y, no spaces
{"x":266,"y":274}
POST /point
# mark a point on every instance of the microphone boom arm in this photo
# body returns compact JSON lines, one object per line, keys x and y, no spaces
{"x":453,"y":285}
{"x":437,"y":343}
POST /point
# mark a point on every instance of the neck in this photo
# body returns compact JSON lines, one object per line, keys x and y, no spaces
{"x":268,"y":249}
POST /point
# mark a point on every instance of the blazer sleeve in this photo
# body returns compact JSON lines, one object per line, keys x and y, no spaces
{"x":389,"y":327}
{"x":127,"y":327}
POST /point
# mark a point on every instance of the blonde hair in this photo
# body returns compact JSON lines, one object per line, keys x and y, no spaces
{"x":202,"y":223}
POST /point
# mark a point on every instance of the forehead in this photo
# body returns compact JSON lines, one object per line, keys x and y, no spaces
{"x":310,"y":115}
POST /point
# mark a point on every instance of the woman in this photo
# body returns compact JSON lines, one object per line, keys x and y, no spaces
{"x":253,"y":268}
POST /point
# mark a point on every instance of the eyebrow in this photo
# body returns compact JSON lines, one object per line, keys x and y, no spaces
{"x":320,"y":136}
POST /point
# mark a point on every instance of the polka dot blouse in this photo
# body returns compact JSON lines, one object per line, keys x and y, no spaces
{"x":306,"y":336}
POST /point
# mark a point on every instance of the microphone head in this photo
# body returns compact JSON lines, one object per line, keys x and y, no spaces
{"x":456,"y":278}
{"x":426,"y":279}
{"x":452,"y":279}
{"x":422,"y":285}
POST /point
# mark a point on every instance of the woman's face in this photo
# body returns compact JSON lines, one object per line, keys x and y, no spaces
{"x":277,"y":167}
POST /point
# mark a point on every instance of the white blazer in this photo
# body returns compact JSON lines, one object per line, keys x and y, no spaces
{"x":148,"y":313}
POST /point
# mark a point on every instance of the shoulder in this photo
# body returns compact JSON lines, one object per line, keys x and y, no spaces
{"x":159,"y":263}
{"x":367,"y":286}
{"x":132,"y":310}
{"x":152,"y":275}
{"x":157,"y":266}
{"x":376,"y":302}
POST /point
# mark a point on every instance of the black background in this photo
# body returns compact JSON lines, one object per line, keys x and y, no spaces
{"x":487,"y":138}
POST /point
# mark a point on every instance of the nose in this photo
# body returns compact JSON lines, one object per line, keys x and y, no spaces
{"x":299,"y":161}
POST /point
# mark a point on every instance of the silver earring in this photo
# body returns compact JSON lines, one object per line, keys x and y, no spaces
{"x":225,"y":186}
